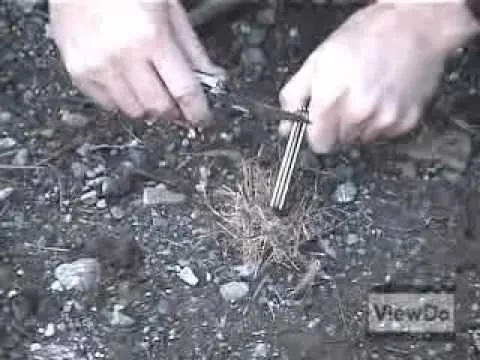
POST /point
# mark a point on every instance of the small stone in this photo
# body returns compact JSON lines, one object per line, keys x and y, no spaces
{"x":56,"y":286}
{"x":46,"y":133}
{"x":89,"y":197}
{"x":90,"y":173}
{"x":20,"y":158}
{"x":101,"y":204}
{"x":187,"y":275}
{"x":120,"y":319}
{"x":260,"y":351}
{"x":53,"y":351}
{"x":98,"y":181}
{"x":331,"y":330}
{"x":7,"y":143}
{"x":5,"y":117}
{"x":83,"y":150}
{"x":163,"y":307}
{"x":73,"y":119}
{"x":120,"y":182}
{"x":234,"y":291}
{"x":82,"y":274}
{"x":345,"y":193}
{"x":449,"y":347}
{"x":117,"y":212}
{"x":116,"y":186}
{"x":35,"y":347}
{"x":5,"y":193}
{"x":161,"y":195}
{"x":352,"y":239}
{"x":49,"y":330}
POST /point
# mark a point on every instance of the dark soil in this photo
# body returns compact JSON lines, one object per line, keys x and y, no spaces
{"x":414,"y":219}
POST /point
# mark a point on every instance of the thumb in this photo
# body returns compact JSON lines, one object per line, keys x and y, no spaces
{"x":296,"y":93}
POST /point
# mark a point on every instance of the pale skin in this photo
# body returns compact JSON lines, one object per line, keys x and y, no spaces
{"x":369,"y":80}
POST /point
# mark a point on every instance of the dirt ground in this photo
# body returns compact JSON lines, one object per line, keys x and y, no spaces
{"x":79,"y":183}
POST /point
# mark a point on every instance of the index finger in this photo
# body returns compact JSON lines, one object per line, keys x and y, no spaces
{"x":178,"y":76}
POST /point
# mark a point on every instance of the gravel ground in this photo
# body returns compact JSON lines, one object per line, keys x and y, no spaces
{"x":108,"y":250}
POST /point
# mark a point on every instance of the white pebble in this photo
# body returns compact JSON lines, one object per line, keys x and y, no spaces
{"x":5,"y":193}
{"x":49,"y":330}
{"x":7,"y":143}
{"x":101,"y":204}
{"x":187,"y":275}
{"x":234,"y":290}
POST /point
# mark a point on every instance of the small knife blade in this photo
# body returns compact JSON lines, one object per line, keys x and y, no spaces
{"x":220,"y":89}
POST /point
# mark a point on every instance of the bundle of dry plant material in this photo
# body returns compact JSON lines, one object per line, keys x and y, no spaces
{"x":243,"y":215}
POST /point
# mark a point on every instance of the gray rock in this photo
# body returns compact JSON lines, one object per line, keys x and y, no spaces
{"x":82,"y":274}
{"x":120,"y":182}
{"x":89,"y":197}
{"x":352,"y":239}
{"x":164,"y":307}
{"x":7,"y":143}
{"x":120,"y":319}
{"x":5,"y":117}
{"x":117,"y":212}
{"x":234,"y":290}
{"x":260,"y":351}
{"x":101,"y":204}
{"x":187,"y":276}
{"x":20,"y":158}
{"x":73,"y":119}
{"x":5,"y":193}
{"x":161,"y":195}
{"x":49,"y":330}
{"x":52,"y":352}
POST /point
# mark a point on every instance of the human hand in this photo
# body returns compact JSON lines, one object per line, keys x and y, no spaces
{"x":373,"y":76}
{"x":136,"y":56}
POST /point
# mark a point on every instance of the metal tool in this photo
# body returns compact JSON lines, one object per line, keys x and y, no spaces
{"x":219,"y":88}
{"x":295,"y":139}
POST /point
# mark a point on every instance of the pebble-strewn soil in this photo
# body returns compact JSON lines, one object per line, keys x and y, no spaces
{"x":106,"y":245}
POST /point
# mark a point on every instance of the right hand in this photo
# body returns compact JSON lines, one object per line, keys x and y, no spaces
{"x":372,"y":78}
{"x":134,"y":56}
